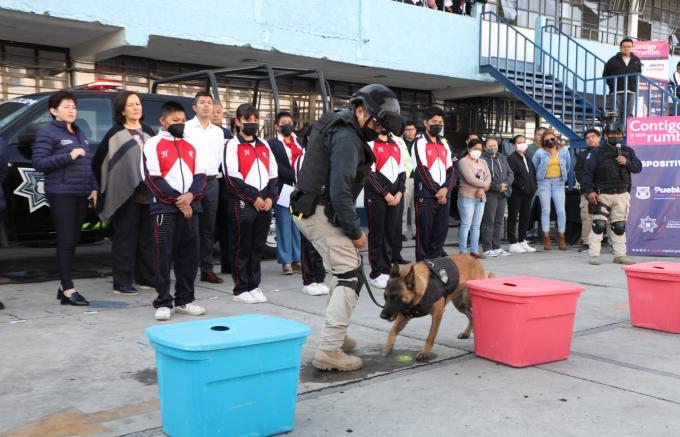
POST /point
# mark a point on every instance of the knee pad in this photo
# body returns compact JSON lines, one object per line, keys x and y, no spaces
{"x":353,"y":279}
{"x":599,"y":226}
{"x":619,"y":228}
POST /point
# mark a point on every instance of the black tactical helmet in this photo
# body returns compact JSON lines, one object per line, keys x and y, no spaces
{"x":381,"y":104}
{"x":613,"y":123}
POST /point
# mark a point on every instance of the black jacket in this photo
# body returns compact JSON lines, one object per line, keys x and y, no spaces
{"x":286,"y":174}
{"x":580,"y":165}
{"x":594,"y":179}
{"x":525,"y":181}
{"x":616,"y":66}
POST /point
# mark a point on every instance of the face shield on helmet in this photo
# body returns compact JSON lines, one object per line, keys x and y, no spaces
{"x":381,"y":105}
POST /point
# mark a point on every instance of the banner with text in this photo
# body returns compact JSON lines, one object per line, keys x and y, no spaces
{"x":653,"y":227}
{"x":654,"y":57}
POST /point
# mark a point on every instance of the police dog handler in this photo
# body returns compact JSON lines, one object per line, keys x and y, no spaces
{"x":338,"y":160}
{"x":607,"y":182}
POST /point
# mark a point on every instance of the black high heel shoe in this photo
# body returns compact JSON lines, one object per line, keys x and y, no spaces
{"x":75,"y":299}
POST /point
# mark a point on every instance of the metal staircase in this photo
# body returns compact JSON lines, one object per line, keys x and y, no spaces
{"x":560,"y":79}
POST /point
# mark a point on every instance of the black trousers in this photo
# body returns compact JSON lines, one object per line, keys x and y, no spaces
{"x":432,"y":225}
{"x":224,"y":226}
{"x":398,"y":244}
{"x":206,"y":223}
{"x":519,"y":204}
{"x":68,"y":213}
{"x":176,"y":241}
{"x":384,"y":225}
{"x":492,"y":221}
{"x":247,"y":244}
{"x":132,"y":246}
{"x":313,"y":270}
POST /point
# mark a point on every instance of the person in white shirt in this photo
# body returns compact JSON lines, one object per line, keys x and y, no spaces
{"x":203,"y":134}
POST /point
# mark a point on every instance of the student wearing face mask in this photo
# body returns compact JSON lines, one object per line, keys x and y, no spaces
{"x":496,"y":199}
{"x":475,"y":180}
{"x":519,"y":203}
{"x":287,"y":150}
{"x":383,"y":192}
{"x":435,"y":177}
{"x":552,"y":168}
{"x":252,"y":179}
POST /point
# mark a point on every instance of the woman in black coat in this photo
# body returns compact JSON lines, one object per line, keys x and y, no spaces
{"x":63,"y":154}
{"x":519,"y":203}
{"x":125,"y":203}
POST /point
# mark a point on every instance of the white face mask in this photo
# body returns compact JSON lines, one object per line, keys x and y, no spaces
{"x":475,"y":154}
{"x":521,"y":147}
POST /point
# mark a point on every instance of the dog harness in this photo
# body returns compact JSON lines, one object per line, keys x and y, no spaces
{"x":443,"y":281}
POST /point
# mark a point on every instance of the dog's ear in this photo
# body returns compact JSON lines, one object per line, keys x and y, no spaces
{"x":394,"y":273}
{"x":410,"y":279}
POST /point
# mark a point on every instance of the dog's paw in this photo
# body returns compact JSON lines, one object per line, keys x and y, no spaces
{"x":463,"y":336}
{"x":422,"y":356}
{"x":387,"y":352}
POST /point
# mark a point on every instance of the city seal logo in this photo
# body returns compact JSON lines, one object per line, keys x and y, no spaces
{"x":32,"y":187}
{"x":643,"y":193}
{"x":648,"y":224}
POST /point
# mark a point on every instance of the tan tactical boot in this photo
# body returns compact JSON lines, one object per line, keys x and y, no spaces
{"x":594,"y":260}
{"x":349,"y":344}
{"x":547,"y":243}
{"x":326,"y":360}
{"x":623,"y":260}
{"x":561,"y":242}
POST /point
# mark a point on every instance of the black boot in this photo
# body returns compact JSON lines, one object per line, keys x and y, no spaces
{"x":74,"y":299}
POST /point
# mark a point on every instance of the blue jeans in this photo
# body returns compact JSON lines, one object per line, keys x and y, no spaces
{"x":552,"y":189}
{"x":287,"y":236}
{"x":471,"y":213}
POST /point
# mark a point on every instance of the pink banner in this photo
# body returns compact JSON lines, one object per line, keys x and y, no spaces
{"x":653,"y":131}
{"x":651,"y":49}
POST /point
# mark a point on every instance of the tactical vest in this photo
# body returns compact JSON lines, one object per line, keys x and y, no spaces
{"x":443,"y":281}
{"x":609,"y":175}
{"x":315,"y":173}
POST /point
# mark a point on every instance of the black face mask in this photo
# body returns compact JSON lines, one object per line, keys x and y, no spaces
{"x":286,"y":129}
{"x":369,"y":134}
{"x":250,"y":129}
{"x":549,"y":143}
{"x":384,"y":132}
{"x":614,"y":140}
{"x":435,"y":129}
{"x":176,"y":130}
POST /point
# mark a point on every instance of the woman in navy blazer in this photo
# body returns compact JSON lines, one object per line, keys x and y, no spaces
{"x":63,"y":154}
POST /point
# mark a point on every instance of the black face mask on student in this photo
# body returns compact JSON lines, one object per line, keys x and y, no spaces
{"x":176,"y":130}
{"x":286,"y":129}
{"x":369,"y":134}
{"x":250,"y":129}
{"x":435,"y":129}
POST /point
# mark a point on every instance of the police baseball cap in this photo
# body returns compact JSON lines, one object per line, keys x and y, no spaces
{"x":381,"y":104}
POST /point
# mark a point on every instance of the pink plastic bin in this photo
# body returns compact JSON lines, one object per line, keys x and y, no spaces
{"x":654,"y":295}
{"x":521,"y":320}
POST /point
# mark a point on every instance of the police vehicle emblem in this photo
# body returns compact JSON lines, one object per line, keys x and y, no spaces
{"x":32,"y":187}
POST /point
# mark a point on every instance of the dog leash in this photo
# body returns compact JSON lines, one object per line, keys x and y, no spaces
{"x":365,"y":279}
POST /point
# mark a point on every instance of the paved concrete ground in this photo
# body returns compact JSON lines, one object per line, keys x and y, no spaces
{"x":69,"y":371}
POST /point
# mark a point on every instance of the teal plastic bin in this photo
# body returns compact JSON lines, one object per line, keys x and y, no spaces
{"x":233,"y":376}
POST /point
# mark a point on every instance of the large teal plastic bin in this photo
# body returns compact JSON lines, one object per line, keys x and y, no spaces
{"x":233,"y":376}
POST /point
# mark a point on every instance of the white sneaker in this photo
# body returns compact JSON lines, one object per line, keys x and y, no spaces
{"x":163,"y":313}
{"x":191,"y":309}
{"x":502,"y":252}
{"x":312,"y":289}
{"x":323,"y":288}
{"x":490,"y":254}
{"x":517,"y":248}
{"x":527,"y":248}
{"x":245,"y":297}
{"x":379,"y":282}
{"x":258,"y":295}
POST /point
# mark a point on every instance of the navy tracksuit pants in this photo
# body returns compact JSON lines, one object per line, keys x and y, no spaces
{"x":383,"y":221}
{"x":313,"y":270}
{"x":247,"y":242}
{"x":176,"y":241}
{"x":68,"y":214}
{"x":223,"y":225}
{"x":432,"y":225}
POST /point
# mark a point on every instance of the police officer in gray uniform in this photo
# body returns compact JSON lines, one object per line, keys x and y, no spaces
{"x":606,"y":183}
{"x":337,"y":162}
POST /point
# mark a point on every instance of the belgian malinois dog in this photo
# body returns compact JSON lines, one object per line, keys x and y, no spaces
{"x":406,"y":288}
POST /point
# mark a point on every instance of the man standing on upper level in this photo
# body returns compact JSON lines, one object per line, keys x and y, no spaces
{"x":623,"y":88}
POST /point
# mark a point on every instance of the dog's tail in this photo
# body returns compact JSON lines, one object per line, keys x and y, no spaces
{"x":491,"y":275}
